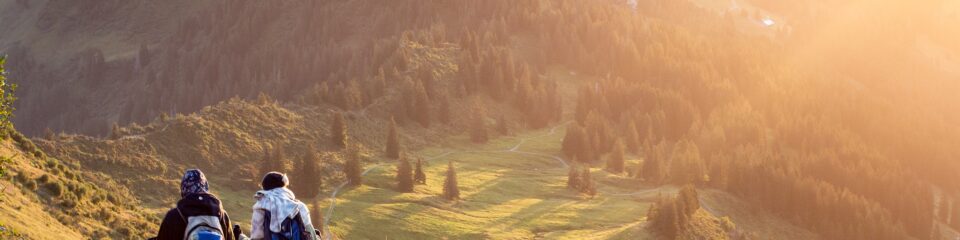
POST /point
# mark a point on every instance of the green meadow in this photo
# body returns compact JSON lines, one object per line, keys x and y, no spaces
{"x":504,"y":195}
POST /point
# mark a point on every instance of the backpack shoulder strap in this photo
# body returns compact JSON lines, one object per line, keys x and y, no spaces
{"x":181,"y":215}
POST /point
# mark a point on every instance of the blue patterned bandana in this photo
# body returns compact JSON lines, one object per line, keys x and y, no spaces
{"x":193,"y":182}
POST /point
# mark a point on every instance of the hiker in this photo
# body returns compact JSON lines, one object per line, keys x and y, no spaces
{"x":278,"y":214}
{"x":198,"y":214}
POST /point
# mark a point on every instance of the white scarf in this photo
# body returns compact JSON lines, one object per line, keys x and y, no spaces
{"x":282,"y":204}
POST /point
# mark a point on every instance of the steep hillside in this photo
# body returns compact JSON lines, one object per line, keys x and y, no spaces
{"x":46,"y":198}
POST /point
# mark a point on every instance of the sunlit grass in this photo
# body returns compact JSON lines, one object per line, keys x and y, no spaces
{"x":505,"y":195}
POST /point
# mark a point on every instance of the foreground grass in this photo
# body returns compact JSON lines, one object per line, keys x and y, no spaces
{"x":505,"y":195}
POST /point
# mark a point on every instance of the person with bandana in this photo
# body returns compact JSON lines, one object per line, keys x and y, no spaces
{"x":195,"y":200}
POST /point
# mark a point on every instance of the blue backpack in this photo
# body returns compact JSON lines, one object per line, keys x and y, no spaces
{"x":290,"y":229}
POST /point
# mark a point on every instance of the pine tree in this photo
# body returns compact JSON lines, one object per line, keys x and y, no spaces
{"x":419,"y":177}
{"x":586,"y":183}
{"x":652,"y":169}
{"x":393,"y":141}
{"x":450,"y":189}
{"x":686,"y":166}
{"x":352,"y":168}
{"x":422,"y":105}
{"x":404,"y":176}
{"x":571,"y":141}
{"x":478,"y":130}
{"x":338,"y":130}
{"x":615,"y":161}
{"x":688,"y":200}
{"x":670,"y":216}
{"x":308,"y":181}
{"x":573,"y":178}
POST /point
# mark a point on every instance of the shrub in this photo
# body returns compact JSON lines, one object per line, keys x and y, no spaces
{"x":25,"y":144}
{"x":55,"y":188}
{"x":96,"y":199}
{"x":43,"y":179}
{"x":30,"y":184}
{"x":113,"y":198}
{"x":69,"y":203}
{"x":70,"y":175}
{"x":81,"y":191}
{"x":105,"y":215}
{"x":21,"y":177}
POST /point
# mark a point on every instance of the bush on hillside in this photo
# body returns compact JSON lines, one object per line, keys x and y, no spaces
{"x":55,"y":187}
{"x":30,"y":184}
{"x":25,"y":144}
{"x":3,"y":166}
{"x":43,"y":179}
{"x":70,"y":201}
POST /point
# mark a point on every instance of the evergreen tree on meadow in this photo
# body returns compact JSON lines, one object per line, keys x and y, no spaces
{"x":573,"y":178}
{"x":689,"y":200}
{"x":338,"y":130}
{"x":352,"y":168}
{"x":615,"y":161}
{"x":404,"y":176}
{"x":307,"y":174}
{"x":450,"y":189}
{"x":418,"y":176}
{"x":586,"y":183}
{"x":393,"y":141}
{"x":664,"y":217}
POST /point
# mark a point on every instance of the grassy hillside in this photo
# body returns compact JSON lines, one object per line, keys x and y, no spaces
{"x":46,"y":198}
{"x":511,"y":188}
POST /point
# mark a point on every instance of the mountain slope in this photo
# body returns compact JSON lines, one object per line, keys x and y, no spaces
{"x":45,"y":198}
{"x":841,"y":120}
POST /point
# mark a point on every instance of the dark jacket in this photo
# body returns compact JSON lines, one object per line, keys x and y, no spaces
{"x":174,"y":225}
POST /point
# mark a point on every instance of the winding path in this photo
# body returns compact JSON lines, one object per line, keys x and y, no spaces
{"x":514,"y":149}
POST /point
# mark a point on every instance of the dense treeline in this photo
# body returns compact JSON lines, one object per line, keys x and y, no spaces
{"x":709,"y":107}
